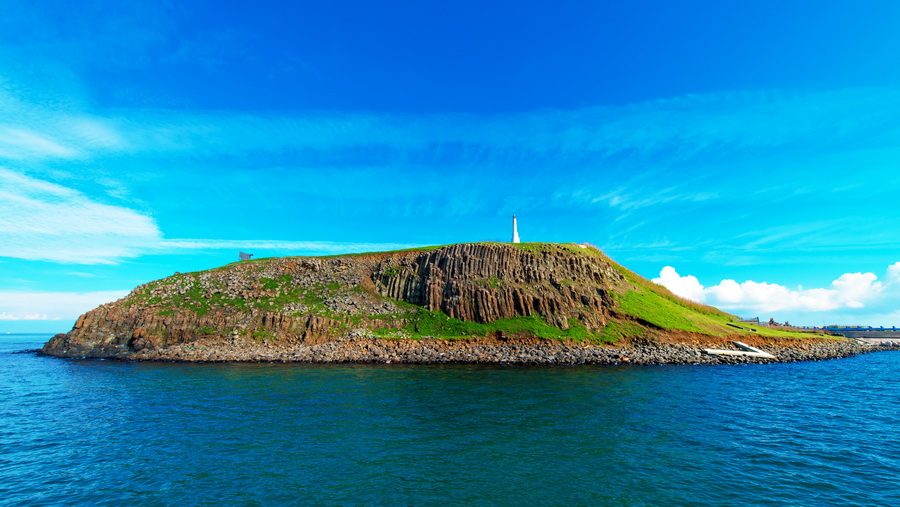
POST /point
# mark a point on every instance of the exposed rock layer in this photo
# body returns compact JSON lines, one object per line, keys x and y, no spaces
{"x":316,"y":300}
{"x":484,"y":283}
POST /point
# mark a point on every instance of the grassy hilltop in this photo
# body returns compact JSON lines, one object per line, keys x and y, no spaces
{"x":640,"y":308}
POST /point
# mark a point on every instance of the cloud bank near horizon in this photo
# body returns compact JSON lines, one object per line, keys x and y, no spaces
{"x":849,"y":291}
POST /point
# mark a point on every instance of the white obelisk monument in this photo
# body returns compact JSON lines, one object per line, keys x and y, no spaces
{"x":515,"y":238}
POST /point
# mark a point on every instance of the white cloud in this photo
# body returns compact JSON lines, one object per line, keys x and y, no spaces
{"x":855,"y":288}
{"x":49,"y":222}
{"x":850,"y":290}
{"x":685,"y":286}
{"x":21,"y":305}
{"x":893,"y":273}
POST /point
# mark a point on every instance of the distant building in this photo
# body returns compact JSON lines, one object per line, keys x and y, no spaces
{"x":515,"y":236}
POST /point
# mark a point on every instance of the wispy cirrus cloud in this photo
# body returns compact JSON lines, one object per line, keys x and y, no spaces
{"x":32,"y":131}
{"x":630,"y":160}
{"x":50,"y":222}
{"x":678,"y":128}
{"x":47,"y":221}
{"x":626,"y":199}
{"x":18,"y":143}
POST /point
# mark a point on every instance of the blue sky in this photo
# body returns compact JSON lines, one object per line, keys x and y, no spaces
{"x":745,"y":154}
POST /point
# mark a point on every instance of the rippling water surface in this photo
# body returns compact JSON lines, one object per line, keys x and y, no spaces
{"x":95,"y":432}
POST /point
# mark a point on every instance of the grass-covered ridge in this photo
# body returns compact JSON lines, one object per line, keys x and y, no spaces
{"x":657,"y":305}
{"x":199,"y":293}
{"x":650,"y":302}
{"x":640,"y":308}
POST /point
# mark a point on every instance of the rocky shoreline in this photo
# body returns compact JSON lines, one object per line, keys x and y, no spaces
{"x":518,"y":352}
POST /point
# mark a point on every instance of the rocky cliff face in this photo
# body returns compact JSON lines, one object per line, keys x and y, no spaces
{"x":462,"y":289}
{"x":485,"y":283}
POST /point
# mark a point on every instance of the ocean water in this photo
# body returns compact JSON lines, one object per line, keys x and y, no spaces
{"x":121,"y":433}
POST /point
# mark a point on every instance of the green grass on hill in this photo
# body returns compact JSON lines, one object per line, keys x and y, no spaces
{"x":637,"y":298}
{"x":193,"y":298}
{"x":658,"y":305}
{"x":426,"y":323}
{"x":672,"y":312}
{"x":615,"y":331}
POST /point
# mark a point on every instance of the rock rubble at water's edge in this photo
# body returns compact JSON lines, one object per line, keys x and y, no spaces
{"x":529,"y":352}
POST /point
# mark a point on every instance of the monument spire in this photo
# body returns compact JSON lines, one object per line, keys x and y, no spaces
{"x":515,"y":238}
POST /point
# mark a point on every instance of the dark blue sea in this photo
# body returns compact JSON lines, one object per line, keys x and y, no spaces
{"x":80,"y":432}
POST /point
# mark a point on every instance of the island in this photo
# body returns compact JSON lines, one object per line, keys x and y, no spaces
{"x":498,"y":303}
